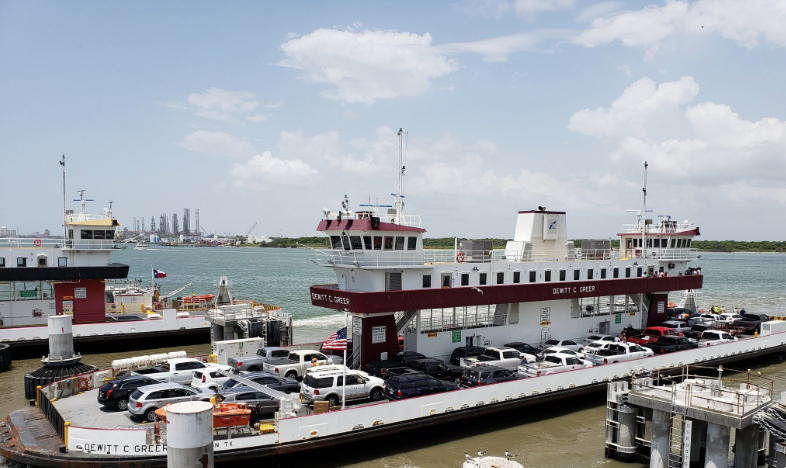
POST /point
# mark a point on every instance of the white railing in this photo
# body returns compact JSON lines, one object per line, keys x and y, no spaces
{"x":392,"y":258}
{"x":30,"y":242}
{"x":85,"y":217}
{"x":92,"y":244}
{"x":657,"y":228}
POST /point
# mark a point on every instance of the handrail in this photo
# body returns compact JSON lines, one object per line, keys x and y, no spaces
{"x":52,"y":415}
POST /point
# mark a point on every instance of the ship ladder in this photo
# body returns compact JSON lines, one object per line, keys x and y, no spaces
{"x":677,"y":429}
{"x":403,"y":319}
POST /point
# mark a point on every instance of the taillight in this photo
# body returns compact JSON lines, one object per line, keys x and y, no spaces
{"x":382,"y":372}
{"x":316,"y":392}
{"x":204,"y":378}
{"x":662,"y":351}
{"x":480,"y":383}
{"x":399,"y":393}
{"x":239,"y":363}
{"x":109,"y":392}
{"x":538,"y":373}
{"x":138,"y":404}
{"x":605,"y":361}
{"x":276,"y":370}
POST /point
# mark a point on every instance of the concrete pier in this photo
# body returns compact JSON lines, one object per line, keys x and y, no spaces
{"x":189,"y":435}
{"x":718,"y":446}
{"x":698,"y":437}
{"x":746,"y":452}
{"x":659,"y":448}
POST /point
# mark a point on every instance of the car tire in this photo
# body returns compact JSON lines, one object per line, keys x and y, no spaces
{"x":150,"y":415}
{"x":376,"y":394}
{"x":291,"y":375}
{"x":254,"y":369}
{"x":121,"y":404}
{"x":214,"y":389}
{"x":333,"y":400}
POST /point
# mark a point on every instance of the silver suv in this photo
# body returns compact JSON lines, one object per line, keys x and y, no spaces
{"x":327,"y":385}
{"x":146,"y":400}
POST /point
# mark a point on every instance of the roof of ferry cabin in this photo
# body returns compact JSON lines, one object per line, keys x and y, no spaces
{"x":363,"y":225}
{"x":95,"y":222}
{"x":692,"y":232}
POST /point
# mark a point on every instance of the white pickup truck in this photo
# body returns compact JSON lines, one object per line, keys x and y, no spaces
{"x":507,"y":358}
{"x":715,"y":337}
{"x":618,"y":352}
{"x":294,"y":366}
{"x":179,"y":370}
{"x":553,"y":364}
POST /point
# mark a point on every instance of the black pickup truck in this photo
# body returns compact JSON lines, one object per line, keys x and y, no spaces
{"x":696,"y":330}
{"x":670,"y":344}
{"x":402,"y":359}
{"x":751,"y":323}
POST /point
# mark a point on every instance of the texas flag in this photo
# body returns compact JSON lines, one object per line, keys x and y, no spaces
{"x":158,"y":274}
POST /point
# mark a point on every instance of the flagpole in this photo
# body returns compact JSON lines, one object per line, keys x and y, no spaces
{"x":344,"y":387}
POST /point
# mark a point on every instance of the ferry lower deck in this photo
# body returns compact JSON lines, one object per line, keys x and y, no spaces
{"x":30,"y":437}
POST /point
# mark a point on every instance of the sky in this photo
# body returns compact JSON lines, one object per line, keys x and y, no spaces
{"x":268,"y":112}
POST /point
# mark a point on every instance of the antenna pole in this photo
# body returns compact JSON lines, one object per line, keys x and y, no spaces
{"x":400,"y":175}
{"x":62,"y":163}
{"x":644,"y":215}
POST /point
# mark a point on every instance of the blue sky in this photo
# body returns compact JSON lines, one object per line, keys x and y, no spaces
{"x":263,"y":112}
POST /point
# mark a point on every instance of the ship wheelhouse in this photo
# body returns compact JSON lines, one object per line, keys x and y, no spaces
{"x":537,"y":287}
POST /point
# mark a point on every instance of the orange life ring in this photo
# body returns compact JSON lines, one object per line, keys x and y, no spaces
{"x":460,"y":257}
{"x":84,"y":384}
{"x":37,"y":242}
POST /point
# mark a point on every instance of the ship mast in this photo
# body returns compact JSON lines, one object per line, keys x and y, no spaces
{"x":400,"y":193}
{"x":65,"y":228}
{"x":644,"y":215}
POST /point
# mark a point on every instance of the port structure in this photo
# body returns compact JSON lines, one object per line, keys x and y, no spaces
{"x":685,"y":418}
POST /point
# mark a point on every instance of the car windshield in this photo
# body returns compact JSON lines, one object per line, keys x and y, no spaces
{"x":553,"y":359}
{"x":594,"y":337}
{"x":293,"y":357}
{"x":552,"y":342}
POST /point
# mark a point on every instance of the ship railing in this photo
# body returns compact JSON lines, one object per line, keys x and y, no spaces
{"x":52,"y":415}
{"x":659,"y":228}
{"x":30,"y":242}
{"x":92,"y":244}
{"x":660,"y":254}
{"x":72,"y":218}
{"x":406,"y":220}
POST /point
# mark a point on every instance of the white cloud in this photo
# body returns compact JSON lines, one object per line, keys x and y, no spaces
{"x":216,"y":103}
{"x":705,"y":147}
{"x":642,"y":106}
{"x":497,"y":49}
{"x":217,"y":143}
{"x":626,"y":70}
{"x":273,"y":105}
{"x":265,"y":172}
{"x":597,"y":10}
{"x":522,"y":8}
{"x":258,"y":118}
{"x":368,"y":65}
{"x":744,"y":22}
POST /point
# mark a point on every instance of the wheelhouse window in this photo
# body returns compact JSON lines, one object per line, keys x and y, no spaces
{"x":576,"y":275}
{"x":62,"y":261}
{"x":482,"y":279}
{"x":638,"y":272}
{"x":562,"y":275}
{"x":590,"y":273}
{"x":367,"y":242}
{"x":426,"y":281}
{"x":356,"y":244}
{"x":377,"y":242}
{"x":533,"y":275}
{"x":399,"y":242}
{"x":70,"y":233}
{"x":335,"y":242}
{"x":687,"y":243}
{"x":412,"y":243}
{"x":87,"y":234}
{"x":388,"y":243}
{"x":465,"y":279}
{"x":110,"y":234}
{"x":98,"y":234}
{"x":516,"y":277}
{"x":627,"y":272}
{"x":21,"y":261}
{"x":602,"y":273}
{"x":616,"y":273}
{"x":345,"y":241}
{"x":500,"y":277}
{"x":547,"y":275}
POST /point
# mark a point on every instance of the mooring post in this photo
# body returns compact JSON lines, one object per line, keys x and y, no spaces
{"x":746,"y":452}
{"x":659,"y":445}
{"x":717,"y":455}
{"x":189,"y":435}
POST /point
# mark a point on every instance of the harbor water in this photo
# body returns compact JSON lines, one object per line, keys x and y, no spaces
{"x":565,"y":434}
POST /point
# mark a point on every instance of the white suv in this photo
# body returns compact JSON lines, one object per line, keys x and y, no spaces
{"x":327,"y":386}
{"x":208,"y":379}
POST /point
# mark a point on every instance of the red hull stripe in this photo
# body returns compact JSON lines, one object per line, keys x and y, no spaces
{"x":363,"y":225}
{"x":394,"y":301}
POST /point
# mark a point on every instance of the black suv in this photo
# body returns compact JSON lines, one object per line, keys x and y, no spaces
{"x":116,"y":391}
{"x":465,"y":352}
{"x":273,"y":381}
{"x":415,"y":385}
{"x":523,"y":348}
{"x":486,"y":375}
{"x":437,"y":368}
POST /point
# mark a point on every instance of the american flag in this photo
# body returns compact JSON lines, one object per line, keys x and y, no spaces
{"x":337,"y":341}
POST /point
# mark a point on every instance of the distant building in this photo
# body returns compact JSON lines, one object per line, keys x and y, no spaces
{"x":5,"y":232}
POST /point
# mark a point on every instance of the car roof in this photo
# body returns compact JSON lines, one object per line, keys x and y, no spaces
{"x":183,"y":359}
{"x":486,"y":367}
{"x":412,"y":376}
{"x":160,"y":386}
{"x":251,"y":375}
{"x":558,"y":349}
{"x":130,"y":378}
{"x":430,"y":360}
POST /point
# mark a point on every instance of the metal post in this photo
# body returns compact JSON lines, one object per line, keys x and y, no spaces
{"x":65,"y":228}
{"x":659,"y":444}
{"x":344,"y":377}
{"x":747,"y":446}
{"x":627,"y":429}
{"x":717,"y":455}
{"x":61,"y":338}
{"x":190,"y":435}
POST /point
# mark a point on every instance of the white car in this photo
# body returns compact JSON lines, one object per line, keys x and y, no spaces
{"x":731,"y":318}
{"x":570,"y":344}
{"x":605,"y":338}
{"x":329,"y":386}
{"x":595,"y":346}
{"x":210,"y":379}
{"x":553,"y":364}
{"x":560,"y":349}
{"x":715,"y":337}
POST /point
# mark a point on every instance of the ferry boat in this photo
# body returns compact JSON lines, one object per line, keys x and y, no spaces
{"x":538,"y":287}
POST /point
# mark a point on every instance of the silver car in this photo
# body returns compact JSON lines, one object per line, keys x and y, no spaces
{"x":146,"y":400}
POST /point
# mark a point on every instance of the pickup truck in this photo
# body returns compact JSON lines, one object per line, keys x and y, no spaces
{"x":751,"y":323}
{"x":715,"y":337}
{"x":652,"y":334}
{"x":179,"y":370}
{"x":670,"y":344}
{"x":295,"y":364}
{"x":553,"y":364}
{"x":618,"y":352}
{"x":402,"y":359}
{"x":254,"y":363}
{"x":507,"y":358}
{"x":595,"y":346}
{"x":676,"y":325}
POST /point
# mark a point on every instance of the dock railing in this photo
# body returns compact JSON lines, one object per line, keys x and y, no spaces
{"x":52,"y":415}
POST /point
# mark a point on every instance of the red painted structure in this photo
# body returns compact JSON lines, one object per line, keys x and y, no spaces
{"x":330,"y":297}
{"x":88,"y":309}
{"x":363,"y":225}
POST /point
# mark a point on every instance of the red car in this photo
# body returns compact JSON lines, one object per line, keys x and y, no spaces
{"x":651,"y":334}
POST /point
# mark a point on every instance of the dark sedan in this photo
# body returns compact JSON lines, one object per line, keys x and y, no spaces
{"x":437,"y":368}
{"x":115,"y":393}
{"x":486,"y":375}
{"x":415,"y":385}
{"x":282,"y":384}
{"x":523,"y":348}
{"x":260,"y":403}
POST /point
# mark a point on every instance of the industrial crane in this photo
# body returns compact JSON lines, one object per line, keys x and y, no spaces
{"x":249,"y":231}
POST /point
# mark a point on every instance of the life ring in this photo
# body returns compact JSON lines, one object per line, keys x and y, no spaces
{"x":84,"y":384}
{"x":460,"y":257}
{"x":37,"y":242}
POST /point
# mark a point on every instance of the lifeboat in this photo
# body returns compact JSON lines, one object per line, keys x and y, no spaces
{"x":671,"y":305}
{"x":194,"y":299}
{"x":224,"y":415}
